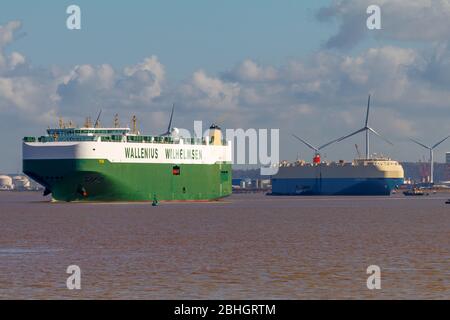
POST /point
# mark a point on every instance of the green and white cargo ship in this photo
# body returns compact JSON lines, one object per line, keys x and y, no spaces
{"x":120,"y":164}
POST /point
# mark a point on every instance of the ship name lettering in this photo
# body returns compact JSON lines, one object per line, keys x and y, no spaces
{"x":184,"y":154}
{"x":141,"y":153}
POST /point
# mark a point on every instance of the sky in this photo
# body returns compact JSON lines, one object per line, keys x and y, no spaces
{"x":304,"y":67}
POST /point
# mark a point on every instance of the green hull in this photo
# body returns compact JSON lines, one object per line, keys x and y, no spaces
{"x":101,"y":180}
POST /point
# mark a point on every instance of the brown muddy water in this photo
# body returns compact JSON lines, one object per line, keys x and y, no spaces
{"x":244,"y":247}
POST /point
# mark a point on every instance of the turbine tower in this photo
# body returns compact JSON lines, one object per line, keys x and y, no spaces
{"x":367,"y":129}
{"x":431,"y":149}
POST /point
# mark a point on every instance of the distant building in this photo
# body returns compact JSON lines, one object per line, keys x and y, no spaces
{"x":447,"y":157}
{"x":419,"y":172}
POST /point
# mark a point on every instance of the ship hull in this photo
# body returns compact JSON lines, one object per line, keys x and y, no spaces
{"x":361,"y":177}
{"x":336,"y":186}
{"x":102,"y":180}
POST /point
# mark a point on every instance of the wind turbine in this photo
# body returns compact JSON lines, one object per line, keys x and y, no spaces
{"x":169,"y":128}
{"x":367,"y":129}
{"x":316,"y":149}
{"x":431,"y":149}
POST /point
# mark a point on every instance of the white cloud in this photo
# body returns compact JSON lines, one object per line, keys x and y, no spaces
{"x":321,"y":96}
{"x":151,"y":65}
{"x":101,"y":77}
{"x":144,"y":81}
{"x":249,"y":70}
{"x":416,"y":20}
{"x":16,"y":59}
{"x":29,"y":97}
{"x":93,"y":87}
{"x":209,"y":92}
{"x":7,"y":32}
{"x":327,"y":82}
{"x":23,"y":92}
{"x":402,"y":20}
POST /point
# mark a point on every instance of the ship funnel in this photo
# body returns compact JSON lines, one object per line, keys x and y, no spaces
{"x":215,"y":135}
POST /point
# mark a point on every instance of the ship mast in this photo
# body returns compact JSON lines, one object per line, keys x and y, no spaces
{"x":116,"y":121}
{"x":88,"y":122}
{"x":134,"y":124}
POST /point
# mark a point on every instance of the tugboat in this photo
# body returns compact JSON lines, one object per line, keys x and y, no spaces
{"x":414,"y":192}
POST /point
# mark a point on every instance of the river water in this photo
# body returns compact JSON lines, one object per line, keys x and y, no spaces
{"x":248,"y":246}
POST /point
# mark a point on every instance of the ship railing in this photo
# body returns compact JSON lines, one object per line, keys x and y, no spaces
{"x":166,"y":140}
{"x":29,"y":139}
{"x":45,"y":139}
{"x":120,"y":138}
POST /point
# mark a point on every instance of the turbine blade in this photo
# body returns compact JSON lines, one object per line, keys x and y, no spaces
{"x":329,"y":143}
{"x":349,"y":135}
{"x":380,"y":136}
{"x":368,"y":109}
{"x":440,"y":142}
{"x":419,"y":143}
{"x":306,"y":143}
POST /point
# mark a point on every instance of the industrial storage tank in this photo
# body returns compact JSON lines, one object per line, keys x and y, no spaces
{"x":6,"y":183}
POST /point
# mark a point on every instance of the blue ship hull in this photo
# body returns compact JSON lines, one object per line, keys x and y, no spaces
{"x":335,"y":186}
